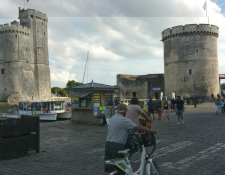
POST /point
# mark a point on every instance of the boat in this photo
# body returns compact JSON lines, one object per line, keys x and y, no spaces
{"x":47,"y":110}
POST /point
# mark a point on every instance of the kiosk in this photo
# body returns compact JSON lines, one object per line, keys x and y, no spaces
{"x":90,"y":101}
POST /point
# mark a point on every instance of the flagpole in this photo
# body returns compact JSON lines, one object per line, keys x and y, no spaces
{"x":24,"y":4}
{"x":207,"y":10}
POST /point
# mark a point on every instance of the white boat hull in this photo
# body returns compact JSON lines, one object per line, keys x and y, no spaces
{"x":52,"y":117}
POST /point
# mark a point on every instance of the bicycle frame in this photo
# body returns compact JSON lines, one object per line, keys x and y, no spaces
{"x":124,"y":164}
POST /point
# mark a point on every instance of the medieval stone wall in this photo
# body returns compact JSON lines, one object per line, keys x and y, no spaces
{"x":24,"y":64}
{"x":190,"y":60}
{"x":144,"y":86}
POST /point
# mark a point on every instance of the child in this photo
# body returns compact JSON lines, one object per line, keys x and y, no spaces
{"x":166,"y":112}
{"x":217,"y":103}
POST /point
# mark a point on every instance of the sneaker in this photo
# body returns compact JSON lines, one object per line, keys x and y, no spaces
{"x":182,"y":121}
{"x":178,"y":123}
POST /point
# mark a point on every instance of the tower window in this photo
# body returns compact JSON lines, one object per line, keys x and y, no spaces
{"x":44,"y":33}
{"x":197,"y":50}
{"x":15,"y":35}
{"x":189,"y":71}
{"x":42,"y":23}
{"x":2,"y":71}
{"x":32,"y":16}
{"x":184,"y":79}
{"x":5,"y":89}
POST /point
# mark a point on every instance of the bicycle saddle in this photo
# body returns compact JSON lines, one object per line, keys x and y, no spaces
{"x":124,"y":151}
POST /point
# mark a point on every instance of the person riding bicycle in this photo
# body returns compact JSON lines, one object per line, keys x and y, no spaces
{"x":134,"y":111}
{"x":118,"y":130}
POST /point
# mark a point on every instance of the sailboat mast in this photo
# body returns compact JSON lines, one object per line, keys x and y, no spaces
{"x":85,"y":67}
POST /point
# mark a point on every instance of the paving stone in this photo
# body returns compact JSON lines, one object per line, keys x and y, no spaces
{"x":195,"y":147}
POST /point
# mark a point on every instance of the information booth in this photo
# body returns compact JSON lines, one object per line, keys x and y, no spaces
{"x":90,"y":101}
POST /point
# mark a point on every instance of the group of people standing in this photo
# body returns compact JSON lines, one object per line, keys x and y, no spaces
{"x":164,"y":108}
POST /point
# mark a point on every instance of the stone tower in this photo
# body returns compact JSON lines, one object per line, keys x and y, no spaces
{"x":190,"y":60}
{"x":24,"y":64}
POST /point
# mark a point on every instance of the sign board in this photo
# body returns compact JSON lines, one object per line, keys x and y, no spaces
{"x":156,"y":89}
{"x":75,"y":102}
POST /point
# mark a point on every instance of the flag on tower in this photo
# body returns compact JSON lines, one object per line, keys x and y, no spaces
{"x":204,"y":6}
{"x":27,"y":0}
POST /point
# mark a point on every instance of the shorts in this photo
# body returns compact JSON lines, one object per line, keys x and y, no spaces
{"x":150,"y":111}
{"x":179,"y":112}
{"x":172,"y":106}
{"x":111,"y":152}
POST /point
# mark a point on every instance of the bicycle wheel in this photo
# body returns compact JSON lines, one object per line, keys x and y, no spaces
{"x":150,"y":149}
{"x":155,"y":169}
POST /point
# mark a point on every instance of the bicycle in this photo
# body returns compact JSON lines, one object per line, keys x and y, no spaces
{"x":124,"y":167}
{"x":134,"y":144}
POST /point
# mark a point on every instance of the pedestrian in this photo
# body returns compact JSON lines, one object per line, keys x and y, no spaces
{"x":159,"y":110}
{"x":118,"y":130}
{"x":142,"y":120}
{"x":222,"y":105}
{"x":179,"y":109}
{"x":217,"y":103}
{"x":151,"y":108}
{"x":166,"y":112}
{"x":212,"y":96}
{"x":134,"y":111}
{"x":172,"y":104}
{"x":218,"y":96}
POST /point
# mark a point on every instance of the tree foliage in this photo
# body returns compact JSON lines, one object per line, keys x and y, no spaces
{"x":63,"y":93}
{"x":71,"y":82}
{"x":55,"y":89}
{"x":60,"y":91}
{"x":223,"y":86}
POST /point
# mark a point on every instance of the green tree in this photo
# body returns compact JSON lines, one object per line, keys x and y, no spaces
{"x":63,"y":93}
{"x":55,"y":89}
{"x":71,"y":82}
{"x":223,"y":86}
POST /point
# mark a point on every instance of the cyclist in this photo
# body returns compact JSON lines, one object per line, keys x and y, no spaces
{"x":118,"y":130}
{"x":134,"y":111}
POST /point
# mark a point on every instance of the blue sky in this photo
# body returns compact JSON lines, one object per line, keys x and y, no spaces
{"x":122,"y":37}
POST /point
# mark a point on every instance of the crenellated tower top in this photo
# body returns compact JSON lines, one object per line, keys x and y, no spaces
{"x":31,"y":13}
{"x":190,"y":29}
{"x":15,"y":27}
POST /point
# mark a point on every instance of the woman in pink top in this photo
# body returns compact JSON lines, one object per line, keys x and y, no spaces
{"x":134,"y":111}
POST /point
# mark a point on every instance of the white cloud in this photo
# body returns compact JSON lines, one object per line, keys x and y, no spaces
{"x":122,"y":37}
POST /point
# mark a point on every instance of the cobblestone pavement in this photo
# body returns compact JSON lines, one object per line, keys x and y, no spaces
{"x":196,"y":147}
